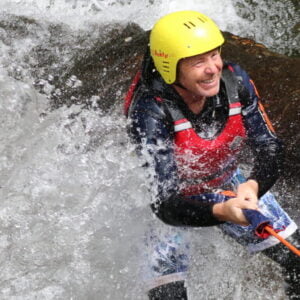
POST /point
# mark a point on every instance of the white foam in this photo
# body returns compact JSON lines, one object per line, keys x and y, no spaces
{"x":270,"y":23}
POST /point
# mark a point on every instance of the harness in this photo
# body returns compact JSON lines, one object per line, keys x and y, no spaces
{"x":205,"y":164}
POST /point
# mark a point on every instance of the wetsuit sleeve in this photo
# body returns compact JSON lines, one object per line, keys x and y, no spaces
{"x":151,"y":130}
{"x":267,"y":148}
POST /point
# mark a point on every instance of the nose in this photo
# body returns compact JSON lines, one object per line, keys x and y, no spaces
{"x":211,"y":67}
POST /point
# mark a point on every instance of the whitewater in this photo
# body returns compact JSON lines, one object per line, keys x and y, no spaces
{"x":74,"y":201}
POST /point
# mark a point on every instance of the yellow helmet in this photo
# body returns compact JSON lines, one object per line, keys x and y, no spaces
{"x":181,"y":34}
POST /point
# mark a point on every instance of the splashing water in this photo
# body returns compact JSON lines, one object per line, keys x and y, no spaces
{"x":74,"y":203}
{"x":67,"y":187}
{"x":273,"y":23}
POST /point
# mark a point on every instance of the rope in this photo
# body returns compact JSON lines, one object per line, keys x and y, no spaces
{"x":282,"y":240}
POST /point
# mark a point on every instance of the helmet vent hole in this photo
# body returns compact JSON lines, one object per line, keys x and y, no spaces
{"x":186,"y":25}
{"x":166,"y":66}
{"x":189,"y":25}
{"x":201,"y":20}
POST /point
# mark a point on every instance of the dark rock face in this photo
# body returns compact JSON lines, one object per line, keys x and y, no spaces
{"x":107,"y":69}
{"x":100,"y":69}
{"x":94,"y":69}
{"x":277,"y":78}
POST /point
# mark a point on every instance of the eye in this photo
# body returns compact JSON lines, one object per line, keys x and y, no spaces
{"x":215,"y":54}
{"x":198,"y":63}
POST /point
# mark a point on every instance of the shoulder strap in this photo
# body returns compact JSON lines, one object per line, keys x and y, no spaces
{"x":180,"y":121}
{"x":231,"y":85}
{"x":173,"y":109}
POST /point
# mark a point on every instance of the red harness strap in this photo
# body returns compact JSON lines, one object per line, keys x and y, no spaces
{"x":129,"y":94}
{"x":205,"y":164}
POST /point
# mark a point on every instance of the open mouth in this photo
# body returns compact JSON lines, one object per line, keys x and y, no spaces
{"x":209,"y":82}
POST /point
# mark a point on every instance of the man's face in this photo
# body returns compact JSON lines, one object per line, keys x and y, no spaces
{"x":201,"y":74}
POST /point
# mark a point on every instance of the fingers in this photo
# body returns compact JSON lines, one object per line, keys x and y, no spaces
{"x":230,"y":211}
{"x":247,"y":196}
{"x":243,"y":203}
{"x":247,"y":203}
{"x":238,"y":217}
{"x":247,"y":192}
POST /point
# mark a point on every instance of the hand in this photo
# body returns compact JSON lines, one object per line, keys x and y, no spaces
{"x":248,"y":191}
{"x":231,"y":210}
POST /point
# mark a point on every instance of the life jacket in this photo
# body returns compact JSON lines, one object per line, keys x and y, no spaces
{"x":205,"y":165}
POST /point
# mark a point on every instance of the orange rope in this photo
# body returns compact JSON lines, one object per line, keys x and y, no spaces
{"x":282,"y":240}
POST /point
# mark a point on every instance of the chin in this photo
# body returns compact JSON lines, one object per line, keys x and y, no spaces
{"x":210,"y":93}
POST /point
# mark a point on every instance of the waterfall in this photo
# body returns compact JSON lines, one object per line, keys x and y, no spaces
{"x":74,"y":201}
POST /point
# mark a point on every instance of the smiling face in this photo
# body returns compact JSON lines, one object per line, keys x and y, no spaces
{"x":201,"y":74}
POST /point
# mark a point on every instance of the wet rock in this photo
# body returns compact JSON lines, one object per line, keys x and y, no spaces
{"x":99,"y":75}
{"x":277,"y":78}
{"x":93,"y":68}
{"x":106,"y":71}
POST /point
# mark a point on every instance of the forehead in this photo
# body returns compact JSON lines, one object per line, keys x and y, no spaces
{"x":197,"y":57}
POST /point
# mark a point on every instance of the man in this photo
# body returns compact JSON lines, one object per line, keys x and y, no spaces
{"x":191,"y":116}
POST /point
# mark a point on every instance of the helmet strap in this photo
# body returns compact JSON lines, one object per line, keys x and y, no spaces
{"x":180,"y":85}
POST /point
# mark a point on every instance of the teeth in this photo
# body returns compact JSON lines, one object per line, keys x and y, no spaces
{"x":208,"y":81}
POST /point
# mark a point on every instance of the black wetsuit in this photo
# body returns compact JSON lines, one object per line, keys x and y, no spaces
{"x":152,"y":123}
{"x":152,"y":130}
